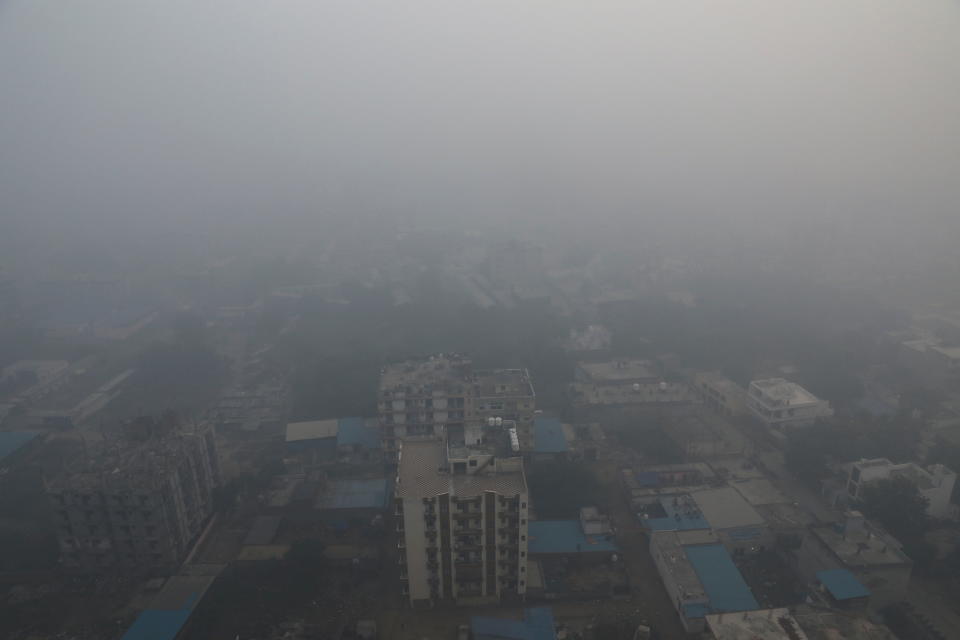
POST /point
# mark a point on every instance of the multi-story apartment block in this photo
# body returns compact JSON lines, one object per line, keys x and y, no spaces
{"x":137,"y":506}
{"x":781,"y":404}
{"x":445,"y":397}
{"x":461,"y":516}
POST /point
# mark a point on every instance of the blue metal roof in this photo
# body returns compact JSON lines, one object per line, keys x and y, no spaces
{"x":537,"y":624}
{"x":648,"y":478}
{"x":12,"y":441}
{"x":564,"y":536}
{"x":548,"y":436}
{"x":364,"y":493}
{"x":354,"y":431}
{"x":679,"y":517}
{"x":720,"y":578}
{"x":695,"y":610}
{"x":157,"y":624}
{"x":842,"y":584}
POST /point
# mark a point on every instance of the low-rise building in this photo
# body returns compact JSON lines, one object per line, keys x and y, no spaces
{"x":537,"y":624}
{"x":625,"y":382}
{"x":699,"y":576}
{"x":462,"y":521}
{"x":738,"y":525}
{"x":871,"y":555}
{"x":763,"y":624}
{"x":781,"y":405}
{"x":935,"y":483}
{"x":720,"y":393}
{"x":549,"y":439}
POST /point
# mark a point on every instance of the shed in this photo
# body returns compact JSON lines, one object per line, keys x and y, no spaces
{"x":565,"y":537}
{"x":842,"y":585}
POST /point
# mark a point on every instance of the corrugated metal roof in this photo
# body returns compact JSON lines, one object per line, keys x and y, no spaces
{"x":548,"y":436}
{"x":565,"y":536}
{"x":13,"y":441}
{"x":720,"y":578}
{"x":842,"y":584}
{"x":156,"y":624}
{"x":311,"y":430}
{"x":537,"y":624}
{"x":353,"y":431}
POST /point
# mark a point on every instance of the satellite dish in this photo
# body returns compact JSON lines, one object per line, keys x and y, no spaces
{"x":636,"y":386}
{"x":663,"y":386}
{"x":499,"y":422}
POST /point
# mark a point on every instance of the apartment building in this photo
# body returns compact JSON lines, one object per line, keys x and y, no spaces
{"x":625,"y":382}
{"x":444,"y":396}
{"x":136,"y":506}
{"x":780,"y":404}
{"x":461,"y":515}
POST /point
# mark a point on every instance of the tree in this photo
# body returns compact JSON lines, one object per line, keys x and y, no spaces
{"x":898,"y":506}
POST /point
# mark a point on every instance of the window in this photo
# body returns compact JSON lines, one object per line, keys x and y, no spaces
{"x":523,"y":505}
{"x":473,"y":462}
{"x":523,"y":538}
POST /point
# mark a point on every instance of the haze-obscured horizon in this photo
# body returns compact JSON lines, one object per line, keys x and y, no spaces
{"x":820,"y":130}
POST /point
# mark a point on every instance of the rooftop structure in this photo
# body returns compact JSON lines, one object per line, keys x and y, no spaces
{"x":699,"y":576}
{"x":426,"y":471}
{"x":537,"y":624}
{"x":782,"y":404}
{"x":763,"y":624}
{"x":566,"y":537}
{"x":312,"y":430}
{"x":873,"y":556}
{"x":170,"y":609}
{"x":720,"y":393}
{"x":724,"y":508}
{"x":675,"y":513}
{"x":842,"y":585}
{"x":831,"y":625}
{"x":624,"y":382}
{"x":548,"y":436}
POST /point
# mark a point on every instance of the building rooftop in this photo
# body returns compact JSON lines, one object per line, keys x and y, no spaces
{"x":548,"y":436}
{"x":614,"y":371}
{"x":565,"y":536}
{"x":170,"y":609}
{"x":842,"y":584}
{"x":829,"y":625}
{"x":423,"y":473}
{"x":868,"y":547}
{"x":720,"y":578}
{"x":362,"y":493}
{"x":759,"y":491}
{"x":724,"y":508}
{"x":537,"y":624}
{"x":502,"y":383}
{"x":13,"y":441}
{"x":441,"y":372}
{"x":784,"y":393}
{"x":354,"y":432}
{"x":763,"y":624}
{"x":312,"y":430}
{"x":682,"y":514}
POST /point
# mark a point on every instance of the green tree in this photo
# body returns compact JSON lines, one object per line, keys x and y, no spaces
{"x":898,"y":506}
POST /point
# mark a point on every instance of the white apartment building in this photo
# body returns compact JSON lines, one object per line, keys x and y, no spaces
{"x":443,"y":396}
{"x":935,"y":483}
{"x":461,"y":517}
{"x":781,"y":404}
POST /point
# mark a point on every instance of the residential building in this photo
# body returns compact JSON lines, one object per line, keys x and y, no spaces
{"x":444,"y":396}
{"x":737,"y":524}
{"x":870,"y":554}
{"x":462,"y":521}
{"x":780,"y":404}
{"x":625,"y":382}
{"x":699,"y":576}
{"x":720,"y":393}
{"x":763,"y":624}
{"x":935,"y":483}
{"x":137,"y":505}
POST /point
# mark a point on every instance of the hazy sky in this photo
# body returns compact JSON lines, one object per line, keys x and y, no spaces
{"x":843,"y":113}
